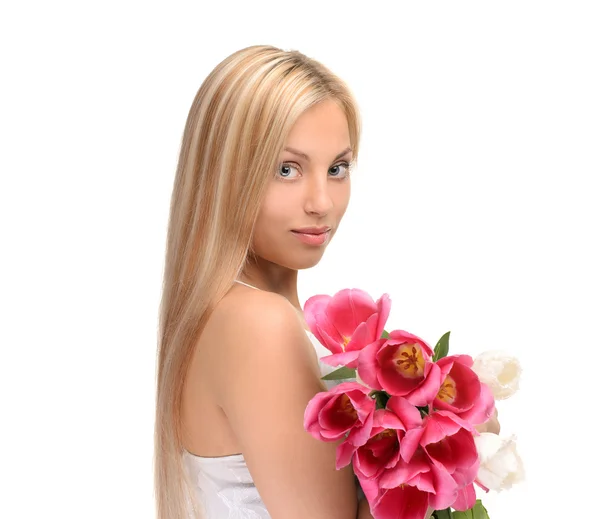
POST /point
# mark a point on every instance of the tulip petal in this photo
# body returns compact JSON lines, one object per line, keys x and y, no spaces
{"x":425,"y":393}
{"x":403,"y":336}
{"x":403,"y":472}
{"x":438,"y":425}
{"x":445,"y":488}
{"x":465,"y":360}
{"x":333,"y":341}
{"x":423,"y":481}
{"x":359,"y":435}
{"x":465,"y":498}
{"x":331,"y":418}
{"x":311,"y":414}
{"x":466,"y":475}
{"x":456,"y":452}
{"x":360,"y":338}
{"x":320,"y":324}
{"x":367,"y":365}
{"x":370,"y":487}
{"x":314,"y":307}
{"x":387,"y":419}
{"x":343,"y":454}
{"x":384,"y":305}
{"x":406,"y":502}
{"x":483,"y":408}
{"x":350,"y":307}
{"x":348,"y":359}
{"x":467,"y":386}
{"x":407,"y":412}
{"x":500,"y":371}
{"x":394,"y":382}
{"x":410,"y":443}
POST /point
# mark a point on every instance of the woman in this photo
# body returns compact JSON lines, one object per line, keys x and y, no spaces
{"x":262,"y":184}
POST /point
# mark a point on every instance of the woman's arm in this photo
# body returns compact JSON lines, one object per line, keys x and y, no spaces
{"x":363,"y":510}
{"x":263,"y":373}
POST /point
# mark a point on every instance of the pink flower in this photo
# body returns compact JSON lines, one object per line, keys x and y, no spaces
{"x":449,"y":443}
{"x":405,"y":502}
{"x":382,"y":449}
{"x":439,"y":458}
{"x":424,"y":473}
{"x":394,"y":435}
{"x":346,"y":323}
{"x":346,"y":408}
{"x":402,"y":366}
{"x":462,"y":392}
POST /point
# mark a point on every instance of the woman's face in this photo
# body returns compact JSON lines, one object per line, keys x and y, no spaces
{"x":310,"y":191}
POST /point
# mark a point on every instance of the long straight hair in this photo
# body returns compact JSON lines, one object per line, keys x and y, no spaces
{"x":235,"y":131}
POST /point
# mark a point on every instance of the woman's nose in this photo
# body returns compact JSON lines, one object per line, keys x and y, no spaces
{"x":318,"y":198}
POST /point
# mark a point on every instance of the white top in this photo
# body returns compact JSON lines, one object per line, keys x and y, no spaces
{"x":223,"y":485}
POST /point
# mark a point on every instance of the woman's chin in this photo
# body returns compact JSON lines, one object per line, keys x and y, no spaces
{"x":305,"y":261}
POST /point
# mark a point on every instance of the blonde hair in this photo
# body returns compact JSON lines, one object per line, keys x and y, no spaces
{"x":235,"y":131}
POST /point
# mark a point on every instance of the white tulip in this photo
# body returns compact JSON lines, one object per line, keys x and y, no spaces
{"x":501,"y":372}
{"x":500,"y":465}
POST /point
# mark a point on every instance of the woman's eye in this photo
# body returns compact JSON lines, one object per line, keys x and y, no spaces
{"x":336,"y":170}
{"x":286,"y":170}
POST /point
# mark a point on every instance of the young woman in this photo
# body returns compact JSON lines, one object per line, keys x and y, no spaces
{"x":262,"y":184}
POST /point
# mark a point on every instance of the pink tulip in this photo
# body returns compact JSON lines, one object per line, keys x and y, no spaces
{"x":346,"y":323}
{"x":441,"y":459}
{"x":382,"y":449}
{"x":448,"y":441}
{"x":402,"y":366}
{"x":407,"y":455}
{"x":346,"y":408}
{"x":402,"y":502}
{"x":462,"y":392}
{"x":427,"y":475}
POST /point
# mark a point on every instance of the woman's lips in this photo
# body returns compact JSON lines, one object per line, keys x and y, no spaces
{"x":312,"y":239}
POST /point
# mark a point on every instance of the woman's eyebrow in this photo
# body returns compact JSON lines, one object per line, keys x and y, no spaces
{"x":306,"y":157}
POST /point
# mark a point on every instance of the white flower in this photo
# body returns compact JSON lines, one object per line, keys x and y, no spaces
{"x":500,"y":465}
{"x":501,"y":372}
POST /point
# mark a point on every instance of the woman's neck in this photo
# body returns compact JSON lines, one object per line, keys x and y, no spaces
{"x":273,"y":278}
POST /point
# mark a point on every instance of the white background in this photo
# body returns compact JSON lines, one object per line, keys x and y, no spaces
{"x":475,"y":206}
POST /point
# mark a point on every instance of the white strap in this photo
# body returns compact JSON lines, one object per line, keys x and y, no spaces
{"x":242,"y":283}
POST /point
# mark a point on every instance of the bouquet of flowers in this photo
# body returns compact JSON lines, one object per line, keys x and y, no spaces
{"x":408,"y":414}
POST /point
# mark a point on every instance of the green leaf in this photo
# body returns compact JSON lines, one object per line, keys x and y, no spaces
{"x":442,"y":514}
{"x":477,"y":512}
{"x":424,"y":410}
{"x":340,"y":373}
{"x":381,"y":398}
{"x":384,"y":335}
{"x":442,"y":347}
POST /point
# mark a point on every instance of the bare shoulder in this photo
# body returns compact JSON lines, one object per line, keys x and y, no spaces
{"x":264,"y":374}
{"x":255,"y":324}
{"x":245,"y":305}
